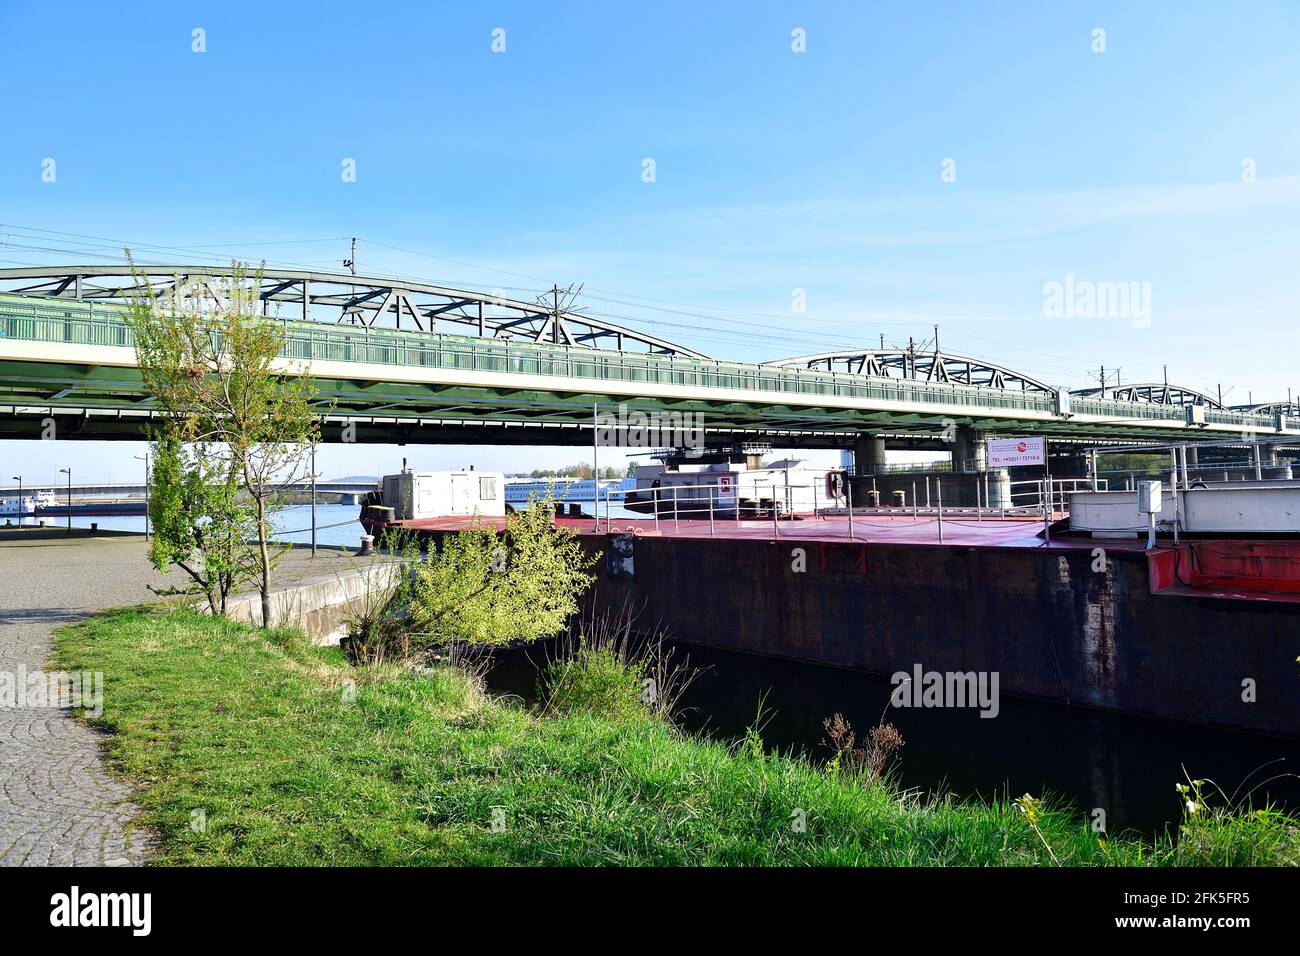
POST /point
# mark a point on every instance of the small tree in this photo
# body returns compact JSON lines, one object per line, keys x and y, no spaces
{"x":490,"y":588}
{"x":201,"y":525}
{"x":213,"y":366}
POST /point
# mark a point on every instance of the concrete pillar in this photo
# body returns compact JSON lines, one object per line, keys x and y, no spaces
{"x":999,"y":489}
{"x":868,"y":455}
{"x":969,"y":450}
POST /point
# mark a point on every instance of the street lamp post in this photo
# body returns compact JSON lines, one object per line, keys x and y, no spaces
{"x":145,"y":459}
{"x":68,"y":472}
{"x":19,"y":479}
{"x":595,"y":465}
{"x":313,"y":499}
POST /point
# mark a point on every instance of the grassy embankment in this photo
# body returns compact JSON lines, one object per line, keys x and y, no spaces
{"x":292,"y":763}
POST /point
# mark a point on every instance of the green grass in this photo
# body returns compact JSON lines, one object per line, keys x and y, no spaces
{"x":294,"y":765}
{"x":595,"y":681}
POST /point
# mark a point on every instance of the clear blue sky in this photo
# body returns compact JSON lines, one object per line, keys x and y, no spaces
{"x":775,"y":170}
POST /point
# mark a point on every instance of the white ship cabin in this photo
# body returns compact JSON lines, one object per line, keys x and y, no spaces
{"x":440,"y":494}
{"x":28,"y":504}
{"x":520,"y":491}
{"x":790,"y":484}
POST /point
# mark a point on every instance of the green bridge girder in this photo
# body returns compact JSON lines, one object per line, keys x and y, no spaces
{"x":92,"y":398}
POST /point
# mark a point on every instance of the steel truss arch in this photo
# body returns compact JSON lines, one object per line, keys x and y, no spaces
{"x":1155,"y":393}
{"x":355,"y":300}
{"x":1291,"y":409}
{"x":941,"y":367}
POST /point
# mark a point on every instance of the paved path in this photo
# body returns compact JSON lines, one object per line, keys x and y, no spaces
{"x":58,"y":804}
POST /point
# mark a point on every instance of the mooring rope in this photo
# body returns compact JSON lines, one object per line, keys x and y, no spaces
{"x":319,"y":527}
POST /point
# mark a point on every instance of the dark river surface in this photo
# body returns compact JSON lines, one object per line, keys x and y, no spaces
{"x":1127,"y":766}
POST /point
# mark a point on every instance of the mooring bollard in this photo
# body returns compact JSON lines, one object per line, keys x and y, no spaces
{"x":367,"y":546}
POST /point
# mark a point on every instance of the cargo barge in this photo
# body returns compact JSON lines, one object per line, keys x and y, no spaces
{"x":95,"y":509}
{"x":1204,"y":630}
{"x":45,"y":505}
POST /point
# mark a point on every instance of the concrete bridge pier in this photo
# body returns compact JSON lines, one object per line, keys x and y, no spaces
{"x":975,"y":482}
{"x":868,"y":455}
{"x":970,"y":450}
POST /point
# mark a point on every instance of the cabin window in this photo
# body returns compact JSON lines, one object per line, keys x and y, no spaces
{"x":487,"y":489}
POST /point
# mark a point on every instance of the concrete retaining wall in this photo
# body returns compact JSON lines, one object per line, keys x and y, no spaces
{"x":318,"y":606}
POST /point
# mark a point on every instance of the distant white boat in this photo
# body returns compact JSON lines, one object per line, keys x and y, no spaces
{"x":27,"y":505}
{"x":13,"y":506}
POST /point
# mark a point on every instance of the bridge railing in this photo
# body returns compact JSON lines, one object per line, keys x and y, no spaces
{"x":1111,"y":408}
{"x":390,"y":347}
{"x":88,"y":323}
{"x":77,"y":323}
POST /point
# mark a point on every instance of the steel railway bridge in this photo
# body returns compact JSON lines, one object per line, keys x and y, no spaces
{"x":401,"y":362}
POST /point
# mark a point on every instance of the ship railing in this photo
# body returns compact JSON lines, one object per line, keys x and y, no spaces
{"x":1215,"y":473}
{"x":1031,"y":496}
{"x":718,"y":500}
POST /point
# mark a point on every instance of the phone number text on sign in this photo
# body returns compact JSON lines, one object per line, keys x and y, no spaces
{"x":1008,"y":452}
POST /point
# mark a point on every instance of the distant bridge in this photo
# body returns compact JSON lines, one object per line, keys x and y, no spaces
{"x":115,"y":490}
{"x":407,"y":362}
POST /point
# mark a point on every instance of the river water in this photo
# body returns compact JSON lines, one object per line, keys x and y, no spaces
{"x":336,"y":525}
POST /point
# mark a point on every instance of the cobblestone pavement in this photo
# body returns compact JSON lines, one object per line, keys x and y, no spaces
{"x":58,"y":804}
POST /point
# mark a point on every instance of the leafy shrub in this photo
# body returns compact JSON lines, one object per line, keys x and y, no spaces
{"x":490,"y":588}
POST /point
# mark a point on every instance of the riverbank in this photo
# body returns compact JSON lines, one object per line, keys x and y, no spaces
{"x":252,"y":748}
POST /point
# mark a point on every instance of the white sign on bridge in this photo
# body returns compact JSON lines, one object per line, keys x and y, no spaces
{"x":1010,"y":452}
